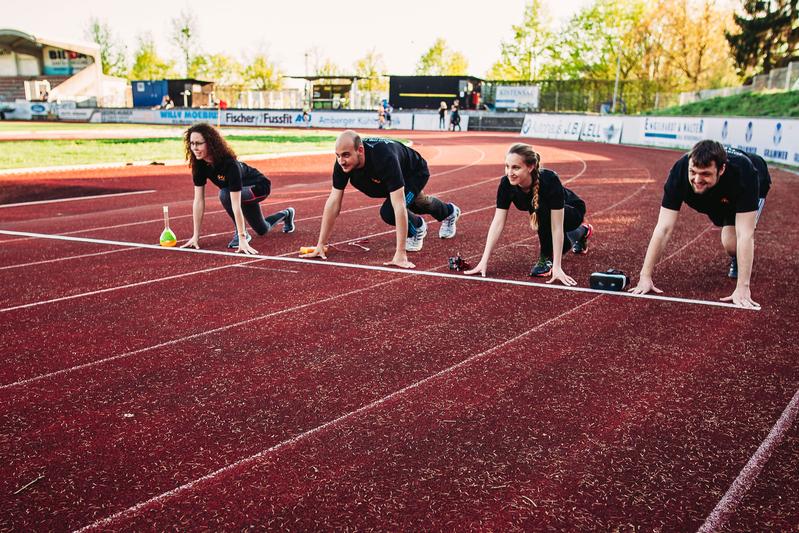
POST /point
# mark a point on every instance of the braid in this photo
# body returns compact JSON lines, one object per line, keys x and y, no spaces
{"x":536,"y":186}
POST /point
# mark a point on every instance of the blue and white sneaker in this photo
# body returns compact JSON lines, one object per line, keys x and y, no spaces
{"x":414,"y":243}
{"x":288,"y":222}
{"x":447,"y":229}
{"x":235,"y":242}
{"x":733,"y":271}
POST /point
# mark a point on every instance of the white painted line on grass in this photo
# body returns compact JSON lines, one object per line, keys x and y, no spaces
{"x":746,"y":478}
{"x":57,"y":200}
{"x":105,"y":523}
{"x":375,"y":268}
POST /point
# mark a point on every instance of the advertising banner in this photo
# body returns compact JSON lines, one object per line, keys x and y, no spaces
{"x":773,"y":139}
{"x":680,"y":132}
{"x":430,"y":122}
{"x":60,"y":62}
{"x":601,"y":129}
{"x":359,"y":120}
{"x":544,"y":126}
{"x":776,"y":140}
{"x":25,"y":110}
{"x":517,"y":96}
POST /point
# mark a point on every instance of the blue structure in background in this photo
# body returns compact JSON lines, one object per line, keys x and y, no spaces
{"x":149,"y":93}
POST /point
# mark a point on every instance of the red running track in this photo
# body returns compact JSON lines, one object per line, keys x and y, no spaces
{"x":153,"y":389}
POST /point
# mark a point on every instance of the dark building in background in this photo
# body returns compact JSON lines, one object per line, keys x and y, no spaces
{"x":427,"y":92}
{"x":184,"y":93}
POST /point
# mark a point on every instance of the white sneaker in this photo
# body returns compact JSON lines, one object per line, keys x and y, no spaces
{"x":414,"y":244}
{"x":447,"y":229}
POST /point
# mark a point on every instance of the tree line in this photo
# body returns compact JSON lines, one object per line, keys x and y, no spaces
{"x":679,"y":44}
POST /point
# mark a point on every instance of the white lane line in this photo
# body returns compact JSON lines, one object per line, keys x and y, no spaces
{"x":106,"y":522}
{"x":81,"y":256}
{"x":372,"y":206}
{"x":746,"y":478}
{"x":111,"y":289}
{"x":273,"y":202}
{"x":172,"y":217}
{"x":267,"y":268}
{"x":182,"y":339}
{"x":58,"y":200}
{"x":374,"y":268}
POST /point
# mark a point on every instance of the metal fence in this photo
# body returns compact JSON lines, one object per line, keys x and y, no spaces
{"x":778,"y":79}
{"x":590,"y":96}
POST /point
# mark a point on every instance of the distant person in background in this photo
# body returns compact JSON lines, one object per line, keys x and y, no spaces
{"x":454,"y":118}
{"x":556,"y":213}
{"x":166,"y":102}
{"x":241,"y":188}
{"x":387,"y":110}
{"x":730,"y":187}
{"x":381,"y":117}
{"x":384,"y":168}
{"x":442,"y":116}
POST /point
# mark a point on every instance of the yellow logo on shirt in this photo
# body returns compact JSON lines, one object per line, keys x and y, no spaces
{"x":221,"y":177}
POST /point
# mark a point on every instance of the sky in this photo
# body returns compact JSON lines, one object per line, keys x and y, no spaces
{"x":285,"y":30}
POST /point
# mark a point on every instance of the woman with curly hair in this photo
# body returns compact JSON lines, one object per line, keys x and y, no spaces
{"x":555,"y":213}
{"x":241,"y":188}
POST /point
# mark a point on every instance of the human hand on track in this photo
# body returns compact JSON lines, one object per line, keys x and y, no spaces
{"x":479,"y":269}
{"x":560,"y":275}
{"x":319,"y":251}
{"x":742,"y":297}
{"x":644,"y":286}
{"x":193,"y":242}
{"x":400,"y":260}
{"x":245,"y":248}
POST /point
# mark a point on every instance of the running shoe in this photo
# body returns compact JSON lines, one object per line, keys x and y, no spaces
{"x":580,"y":246}
{"x":235,"y":242}
{"x":447,"y":229}
{"x":288,"y":222}
{"x":733,"y":272}
{"x":415,"y":242}
{"x":542,"y":268}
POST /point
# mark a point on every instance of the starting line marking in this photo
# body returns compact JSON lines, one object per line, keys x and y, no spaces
{"x":57,"y":200}
{"x":394,"y":270}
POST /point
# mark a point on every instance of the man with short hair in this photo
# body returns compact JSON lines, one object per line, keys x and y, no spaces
{"x":730,"y":187}
{"x":384,"y":168}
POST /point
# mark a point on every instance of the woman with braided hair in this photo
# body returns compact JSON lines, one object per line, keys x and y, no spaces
{"x":556,"y":213}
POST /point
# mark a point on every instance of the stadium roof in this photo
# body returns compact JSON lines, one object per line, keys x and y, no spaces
{"x":25,"y":43}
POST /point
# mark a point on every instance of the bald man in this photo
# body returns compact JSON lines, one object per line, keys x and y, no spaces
{"x":384,"y":168}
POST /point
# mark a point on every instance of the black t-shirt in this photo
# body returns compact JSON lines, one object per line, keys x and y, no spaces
{"x":228,"y":174}
{"x":551,"y":194}
{"x":737,"y":190}
{"x":389,"y":165}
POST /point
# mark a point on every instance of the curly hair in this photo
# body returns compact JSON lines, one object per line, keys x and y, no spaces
{"x":217,"y":147}
{"x":530,"y":158}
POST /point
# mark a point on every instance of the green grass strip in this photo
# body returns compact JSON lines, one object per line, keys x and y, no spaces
{"x":42,"y":153}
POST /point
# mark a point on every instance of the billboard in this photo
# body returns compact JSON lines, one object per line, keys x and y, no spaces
{"x":545,"y":126}
{"x":517,"y":96}
{"x":60,"y":62}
